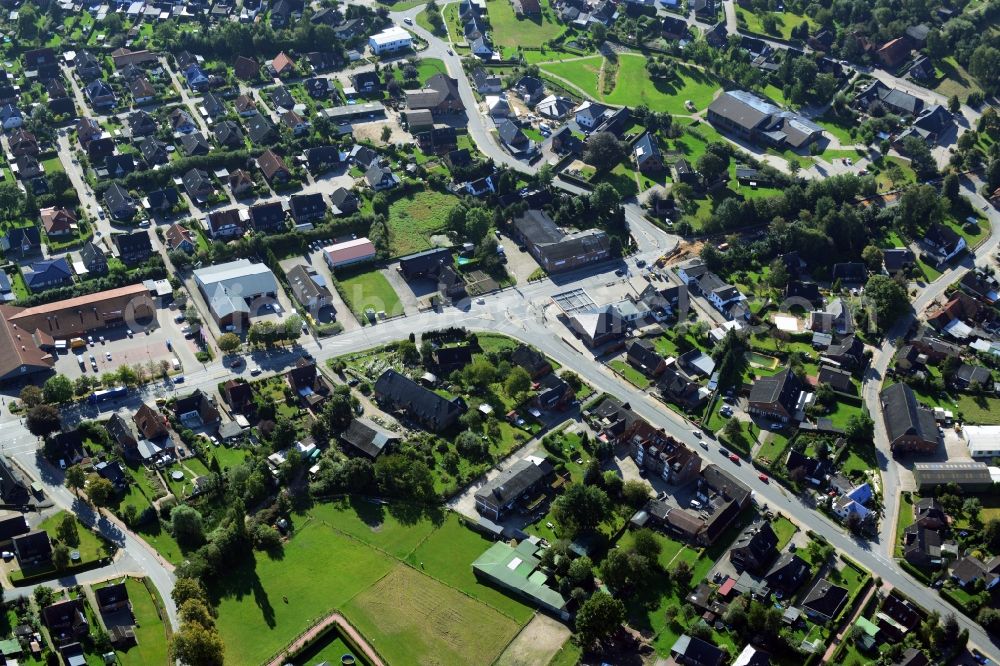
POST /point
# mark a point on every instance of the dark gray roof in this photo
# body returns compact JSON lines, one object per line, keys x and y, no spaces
{"x":904,"y":416}
{"x":367,"y":437}
{"x":425,"y":405}
{"x":512,"y":482}
{"x":825,"y":598}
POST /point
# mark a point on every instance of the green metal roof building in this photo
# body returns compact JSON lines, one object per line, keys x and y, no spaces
{"x":516,"y":569}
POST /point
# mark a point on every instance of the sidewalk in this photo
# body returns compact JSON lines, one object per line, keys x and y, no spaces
{"x":846,"y":627}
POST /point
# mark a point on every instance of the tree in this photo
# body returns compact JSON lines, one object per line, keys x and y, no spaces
{"x":860,"y":428}
{"x":645,"y":543}
{"x":604,"y":151}
{"x":43,"y":420}
{"x":953,"y":104}
{"x":472,"y":446}
{"x":581,"y":507}
{"x":682,"y":573}
{"x":477,"y":224}
{"x":196,"y":611}
{"x":76,"y":479}
{"x":599,"y":31}
{"x":196,"y":645}
{"x":778,"y":277}
{"x":984,"y":64}
{"x":518,"y":382}
{"x":599,"y":617}
{"x":919,"y":207}
{"x":100,"y":491}
{"x":711,"y":166}
{"x":188,"y":588}
{"x":186,"y":525}
{"x":732,"y":430}
{"x":872,"y":256}
{"x":58,"y":389}
{"x":408,"y":352}
{"x":920,"y":157}
{"x":991,"y":534}
{"x":60,"y":556}
{"x":581,"y":571}
{"x":386,"y":133}
{"x":888,"y":300}
{"x":67,"y":530}
{"x":990,"y":619}
{"x":635,"y":493}
{"x":229,"y":343}
{"x":31,"y":396}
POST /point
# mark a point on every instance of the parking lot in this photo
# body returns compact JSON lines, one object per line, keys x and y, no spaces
{"x":141,"y":348}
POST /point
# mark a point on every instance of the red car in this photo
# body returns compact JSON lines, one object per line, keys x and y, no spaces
{"x":735,"y":458}
{"x":763,"y":477}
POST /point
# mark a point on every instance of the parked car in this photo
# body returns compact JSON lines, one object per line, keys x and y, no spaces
{"x":763,"y":477}
{"x":255,"y":371}
{"x":734,"y":458}
{"x":179,"y":380}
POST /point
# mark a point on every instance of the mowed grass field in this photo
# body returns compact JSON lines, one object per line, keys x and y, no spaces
{"x":401,"y":575}
{"x":422,"y":621}
{"x":508,"y":30}
{"x":414,"y":218}
{"x":786,"y":21}
{"x":150,"y":632}
{"x":370,"y":290}
{"x":634,"y":87}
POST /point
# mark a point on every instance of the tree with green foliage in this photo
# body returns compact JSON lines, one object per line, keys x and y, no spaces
{"x":517,"y":383}
{"x":197,"y":645}
{"x":635,"y":493}
{"x":604,"y":151}
{"x":872,"y":256}
{"x":860,"y":428}
{"x":100,"y":491}
{"x":67,"y":531}
{"x":229,"y":343}
{"x":75,"y":479}
{"x":580,"y":508}
{"x":778,"y":276}
{"x":408,"y":352}
{"x":888,"y":300}
{"x":730,"y":359}
{"x":581,"y":572}
{"x":599,"y":617}
{"x":187,"y":526}
{"x":31,"y":396}
{"x":60,"y":556}
{"x":43,"y":420}
{"x":58,"y":389}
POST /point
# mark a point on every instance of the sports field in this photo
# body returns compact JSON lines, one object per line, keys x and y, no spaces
{"x":422,"y":621}
{"x":401,"y":575}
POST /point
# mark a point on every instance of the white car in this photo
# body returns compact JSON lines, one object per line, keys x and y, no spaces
{"x":255,"y":371}
{"x":107,"y":355}
{"x":408,"y":21}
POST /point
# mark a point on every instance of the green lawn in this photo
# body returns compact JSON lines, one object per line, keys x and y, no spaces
{"x":850,"y":578}
{"x":508,"y":30}
{"x":92,"y":547}
{"x":784,"y":529}
{"x":354,"y":556}
{"x":629,"y":373}
{"x":633,"y":86}
{"x":773,"y":450}
{"x":150,"y":630}
{"x":786,"y":21}
{"x":447,"y":554}
{"x":414,"y":217}
{"x":843,"y":412}
{"x":953,"y":79}
{"x":859,"y":458}
{"x":329,"y":649}
{"x":903,"y":520}
{"x":837,"y":126}
{"x":370,"y":290}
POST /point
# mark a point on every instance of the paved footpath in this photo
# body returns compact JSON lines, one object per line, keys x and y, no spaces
{"x":845,"y":630}
{"x":315,"y":630}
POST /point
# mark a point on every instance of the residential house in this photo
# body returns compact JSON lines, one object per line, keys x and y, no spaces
{"x":754,"y":549}
{"x":153,"y":152}
{"x":775,"y":397}
{"x":365,"y":438}
{"x":149,"y":423}
{"x":22,"y":142}
{"x":401,"y":394}
{"x":308,"y":287}
{"x":267,"y":218}
{"x":922,"y":547}
{"x":228,"y":134}
{"x":381,"y":178}
{"x":94,"y":258}
{"x":198,"y":185}
{"x":909,"y":425}
{"x":646,"y":152}
{"x":47,"y":274}
{"x":181,"y":121}
{"x":238,"y":395}
{"x":66,"y":620}
{"x":273,"y":168}
{"x":367,"y":83}
{"x":133,"y":248}
{"x":344,"y":201}
{"x":530,"y":89}
{"x":439,"y":95}
{"x":32,"y":548}
{"x":282,"y":65}
{"x":142,"y":90}
{"x":825,"y":601}
{"x":515,"y":140}
{"x":197,"y":404}
{"x":787,"y":573}
{"x":894,"y":52}
{"x":928,"y":513}
{"x":246,"y":69}
{"x":692,"y":651}
{"x":307,"y":207}
{"x":259,"y":129}
{"x":112,"y":598}
{"x":20,"y":242}
{"x":180,"y":238}
{"x":943,"y":243}
{"x":240,"y":182}
{"x":518,"y":481}
{"x":100,"y":95}
{"x":88,"y":66}
{"x":531,"y":360}
{"x":642,"y":355}
{"x":224,"y":223}
{"x":245,"y":106}
{"x":58,"y":221}
{"x":892,"y":100}
{"x":195,"y":144}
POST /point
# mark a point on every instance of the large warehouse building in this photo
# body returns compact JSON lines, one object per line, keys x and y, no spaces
{"x":229,"y":288}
